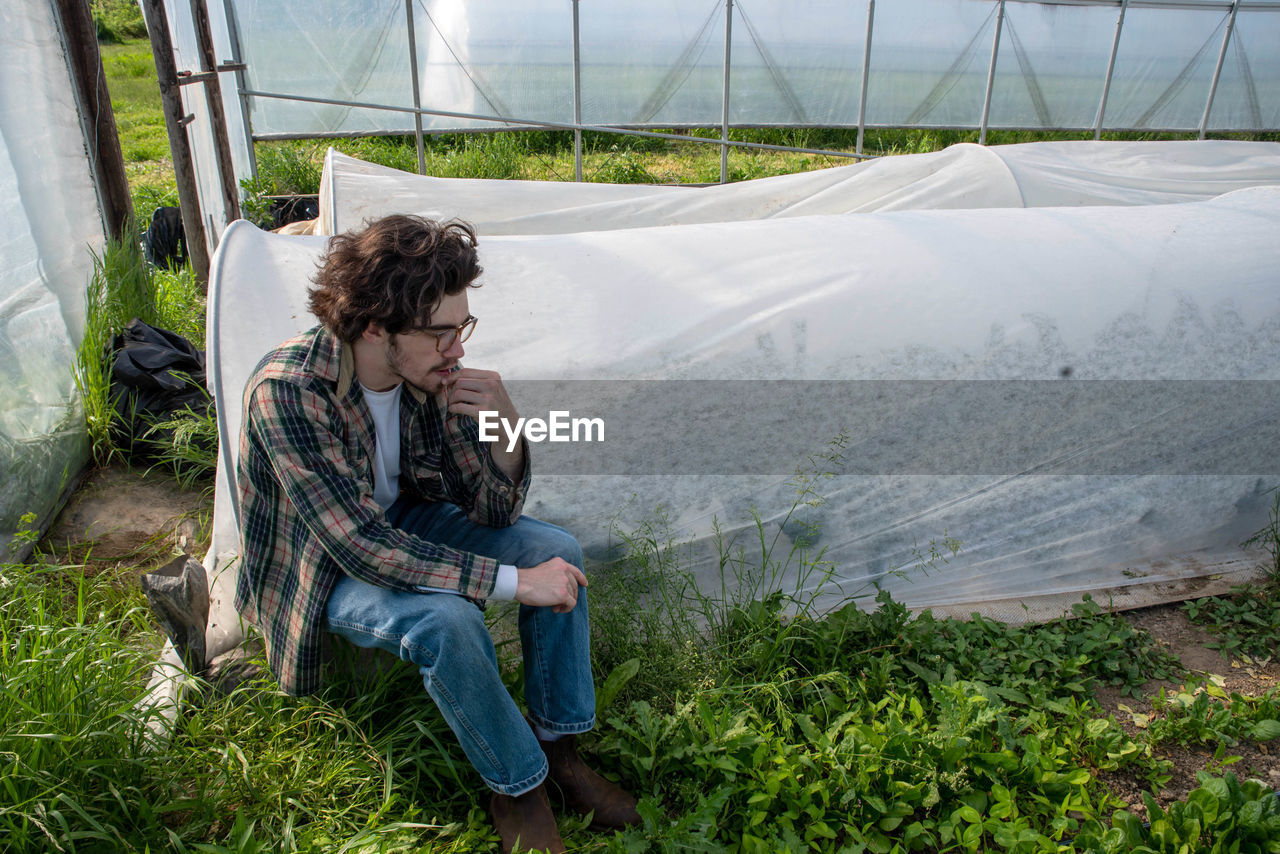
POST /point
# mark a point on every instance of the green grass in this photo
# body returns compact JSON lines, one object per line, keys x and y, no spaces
{"x":74,"y":651}
{"x":144,"y":141}
{"x":771,"y":728}
{"x":744,"y":720}
{"x":118,"y":20}
{"x":125,"y":286}
{"x":122,"y":287}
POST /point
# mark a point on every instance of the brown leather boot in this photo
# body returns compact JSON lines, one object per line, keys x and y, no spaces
{"x":526,"y":821}
{"x":584,"y":790}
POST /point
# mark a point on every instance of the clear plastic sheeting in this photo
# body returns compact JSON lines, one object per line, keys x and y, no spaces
{"x":195,"y":102}
{"x":1252,"y":62}
{"x":1040,"y":174}
{"x":662,"y":64}
{"x":49,"y":224}
{"x":1144,"y":293}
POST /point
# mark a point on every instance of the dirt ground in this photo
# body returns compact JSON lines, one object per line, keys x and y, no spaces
{"x":1171,"y":628}
{"x":130,"y":519}
{"x":127,"y":517}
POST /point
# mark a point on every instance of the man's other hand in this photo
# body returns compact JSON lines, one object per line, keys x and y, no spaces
{"x":553,"y":583}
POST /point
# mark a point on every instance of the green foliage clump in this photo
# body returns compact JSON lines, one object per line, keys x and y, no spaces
{"x":120,"y":289}
{"x":124,"y":286}
{"x":72,"y":745}
{"x":1207,"y":714}
{"x":1078,"y":652}
{"x":1221,"y":815}
{"x":284,"y":169}
{"x":826,"y":763}
{"x":118,"y":20}
{"x":1245,"y":622}
{"x":1267,"y":538}
{"x":753,"y":723}
{"x":866,"y":730}
{"x":623,"y":167}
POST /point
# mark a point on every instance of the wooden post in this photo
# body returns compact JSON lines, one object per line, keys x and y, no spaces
{"x":217,"y":115}
{"x":101,"y":138}
{"x":179,"y":146}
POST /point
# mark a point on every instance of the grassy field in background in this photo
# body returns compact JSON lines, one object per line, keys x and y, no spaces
{"x":144,"y":142}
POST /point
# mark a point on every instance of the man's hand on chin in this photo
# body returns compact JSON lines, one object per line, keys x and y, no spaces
{"x":470,"y":391}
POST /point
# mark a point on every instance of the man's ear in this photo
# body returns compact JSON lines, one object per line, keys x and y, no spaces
{"x":373,"y":332}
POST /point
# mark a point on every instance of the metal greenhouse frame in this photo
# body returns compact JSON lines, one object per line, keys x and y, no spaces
{"x":419,"y":44}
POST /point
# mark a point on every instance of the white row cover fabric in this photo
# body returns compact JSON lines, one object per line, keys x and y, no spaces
{"x":1140,"y":293}
{"x":1038,"y":174}
{"x":49,"y":226}
{"x":660,"y":63}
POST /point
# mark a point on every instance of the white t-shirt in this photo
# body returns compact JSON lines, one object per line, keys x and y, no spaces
{"x":384,"y":406}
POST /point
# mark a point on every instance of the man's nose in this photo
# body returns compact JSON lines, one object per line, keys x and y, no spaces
{"x":455,"y":351}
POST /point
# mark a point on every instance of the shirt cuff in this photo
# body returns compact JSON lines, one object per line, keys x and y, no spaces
{"x":504,"y":589}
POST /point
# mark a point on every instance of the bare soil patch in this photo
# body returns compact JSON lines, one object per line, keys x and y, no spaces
{"x":126,"y":516}
{"x":1169,"y":626}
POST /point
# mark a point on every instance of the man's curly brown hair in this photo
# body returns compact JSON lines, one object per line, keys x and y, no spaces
{"x":394,"y":272}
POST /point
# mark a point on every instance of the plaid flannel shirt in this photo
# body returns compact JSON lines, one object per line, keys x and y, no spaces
{"x":307,"y":512}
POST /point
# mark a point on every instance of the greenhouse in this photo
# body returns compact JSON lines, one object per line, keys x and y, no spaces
{"x":929,"y":501}
{"x":379,"y":66}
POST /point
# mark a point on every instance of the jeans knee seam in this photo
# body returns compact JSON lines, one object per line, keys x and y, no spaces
{"x":366,"y":630}
{"x":543,"y":677}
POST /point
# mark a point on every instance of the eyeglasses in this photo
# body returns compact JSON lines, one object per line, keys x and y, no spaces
{"x":445,"y":338}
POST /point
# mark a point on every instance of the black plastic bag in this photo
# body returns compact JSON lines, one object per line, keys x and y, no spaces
{"x":165,"y":242}
{"x":154,"y":374}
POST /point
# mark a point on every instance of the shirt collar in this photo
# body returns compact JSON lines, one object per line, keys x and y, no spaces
{"x":335,"y":361}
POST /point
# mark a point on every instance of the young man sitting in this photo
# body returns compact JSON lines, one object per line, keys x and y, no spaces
{"x":371,"y":509}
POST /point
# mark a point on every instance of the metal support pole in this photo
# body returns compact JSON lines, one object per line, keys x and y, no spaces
{"x":1111,"y":67}
{"x":866,"y":72}
{"x":516,"y":121}
{"x":724,"y":109}
{"x":1217,"y":70}
{"x":413,"y":73}
{"x":991,"y":75}
{"x":237,"y":58}
{"x":217,"y":115}
{"x":577,"y":97}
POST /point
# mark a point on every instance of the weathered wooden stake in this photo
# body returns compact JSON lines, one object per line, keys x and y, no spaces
{"x":217,"y":115}
{"x":101,"y":138}
{"x":179,"y":146}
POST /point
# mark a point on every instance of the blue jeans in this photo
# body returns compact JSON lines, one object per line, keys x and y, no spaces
{"x":446,"y":637}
